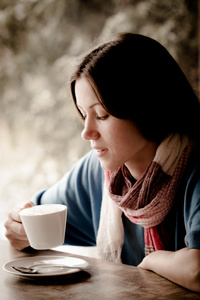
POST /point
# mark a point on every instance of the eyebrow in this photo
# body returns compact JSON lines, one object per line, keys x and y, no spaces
{"x":94,"y":104}
{"x":97,"y":103}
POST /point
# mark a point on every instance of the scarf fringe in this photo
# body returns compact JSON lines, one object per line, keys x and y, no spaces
{"x":110,"y":238}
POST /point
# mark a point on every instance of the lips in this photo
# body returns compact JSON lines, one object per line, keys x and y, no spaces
{"x":100,"y":151}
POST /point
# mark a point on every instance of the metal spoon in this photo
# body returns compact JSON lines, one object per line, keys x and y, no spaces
{"x":35,"y":269}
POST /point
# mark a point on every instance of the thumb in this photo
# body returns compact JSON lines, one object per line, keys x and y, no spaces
{"x":28,"y":204}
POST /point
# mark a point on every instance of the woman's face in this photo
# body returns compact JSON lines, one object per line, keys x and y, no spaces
{"x":115,"y":141}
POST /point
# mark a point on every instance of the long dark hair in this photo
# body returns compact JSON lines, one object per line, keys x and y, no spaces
{"x":136,"y":78}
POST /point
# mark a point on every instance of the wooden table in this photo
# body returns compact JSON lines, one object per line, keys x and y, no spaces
{"x":104,"y":280}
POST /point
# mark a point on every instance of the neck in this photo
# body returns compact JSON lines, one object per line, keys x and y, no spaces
{"x":138,"y":165}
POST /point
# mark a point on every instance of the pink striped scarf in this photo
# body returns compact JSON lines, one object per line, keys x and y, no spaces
{"x":147,"y":201}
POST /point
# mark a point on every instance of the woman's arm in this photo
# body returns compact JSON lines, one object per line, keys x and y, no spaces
{"x":181,"y":267}
{"x":81,"y":191}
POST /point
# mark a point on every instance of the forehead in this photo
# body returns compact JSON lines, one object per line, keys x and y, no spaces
{"x":85,"y":95}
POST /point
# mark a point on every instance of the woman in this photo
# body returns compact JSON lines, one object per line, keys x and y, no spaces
{"x":136,"y":194}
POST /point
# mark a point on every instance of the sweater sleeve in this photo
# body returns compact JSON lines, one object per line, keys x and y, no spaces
{"x":192,"y":211}
{"x":81,"y":191}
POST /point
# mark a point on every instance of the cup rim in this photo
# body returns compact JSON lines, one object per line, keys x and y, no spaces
{"x":24,"y":210}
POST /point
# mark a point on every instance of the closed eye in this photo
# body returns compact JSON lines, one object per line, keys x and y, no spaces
{"x":102,"y":118}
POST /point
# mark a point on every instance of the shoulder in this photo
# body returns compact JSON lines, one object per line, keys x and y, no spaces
{"x":86,"y":175}
{"x":89,"y":159}
{"x":193,"y":175}
{"x":192,"y":204}
{"x":88,"y":165}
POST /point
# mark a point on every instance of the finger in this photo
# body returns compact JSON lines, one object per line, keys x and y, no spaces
{"x":16,"y":235}
{"x":15,"y":232}
{"x":19,"y":244}
{"x":14,"y":229}
{"x":14,"y":214}
{"x":28,"y":204}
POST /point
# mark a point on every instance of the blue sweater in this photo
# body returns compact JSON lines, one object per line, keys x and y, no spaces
{"x":81,"y":190}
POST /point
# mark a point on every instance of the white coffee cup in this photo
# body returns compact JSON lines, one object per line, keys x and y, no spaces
{"x":45,"y":225}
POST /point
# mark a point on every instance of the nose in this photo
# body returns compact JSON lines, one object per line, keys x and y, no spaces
{"x":90,"y":132}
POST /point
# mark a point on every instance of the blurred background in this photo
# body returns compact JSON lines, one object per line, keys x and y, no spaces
{"x":40,"y":41}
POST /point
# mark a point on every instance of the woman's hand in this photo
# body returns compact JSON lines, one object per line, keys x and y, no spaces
{"x":15,"y":232}
{"x":181,"y":267}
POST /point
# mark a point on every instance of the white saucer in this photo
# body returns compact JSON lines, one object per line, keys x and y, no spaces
{"x":58,"y":271}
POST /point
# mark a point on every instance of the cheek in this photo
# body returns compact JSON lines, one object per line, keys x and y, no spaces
{"x":121,"y":137}
{"x":126,"y":142}
{"x":122,"y":133}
